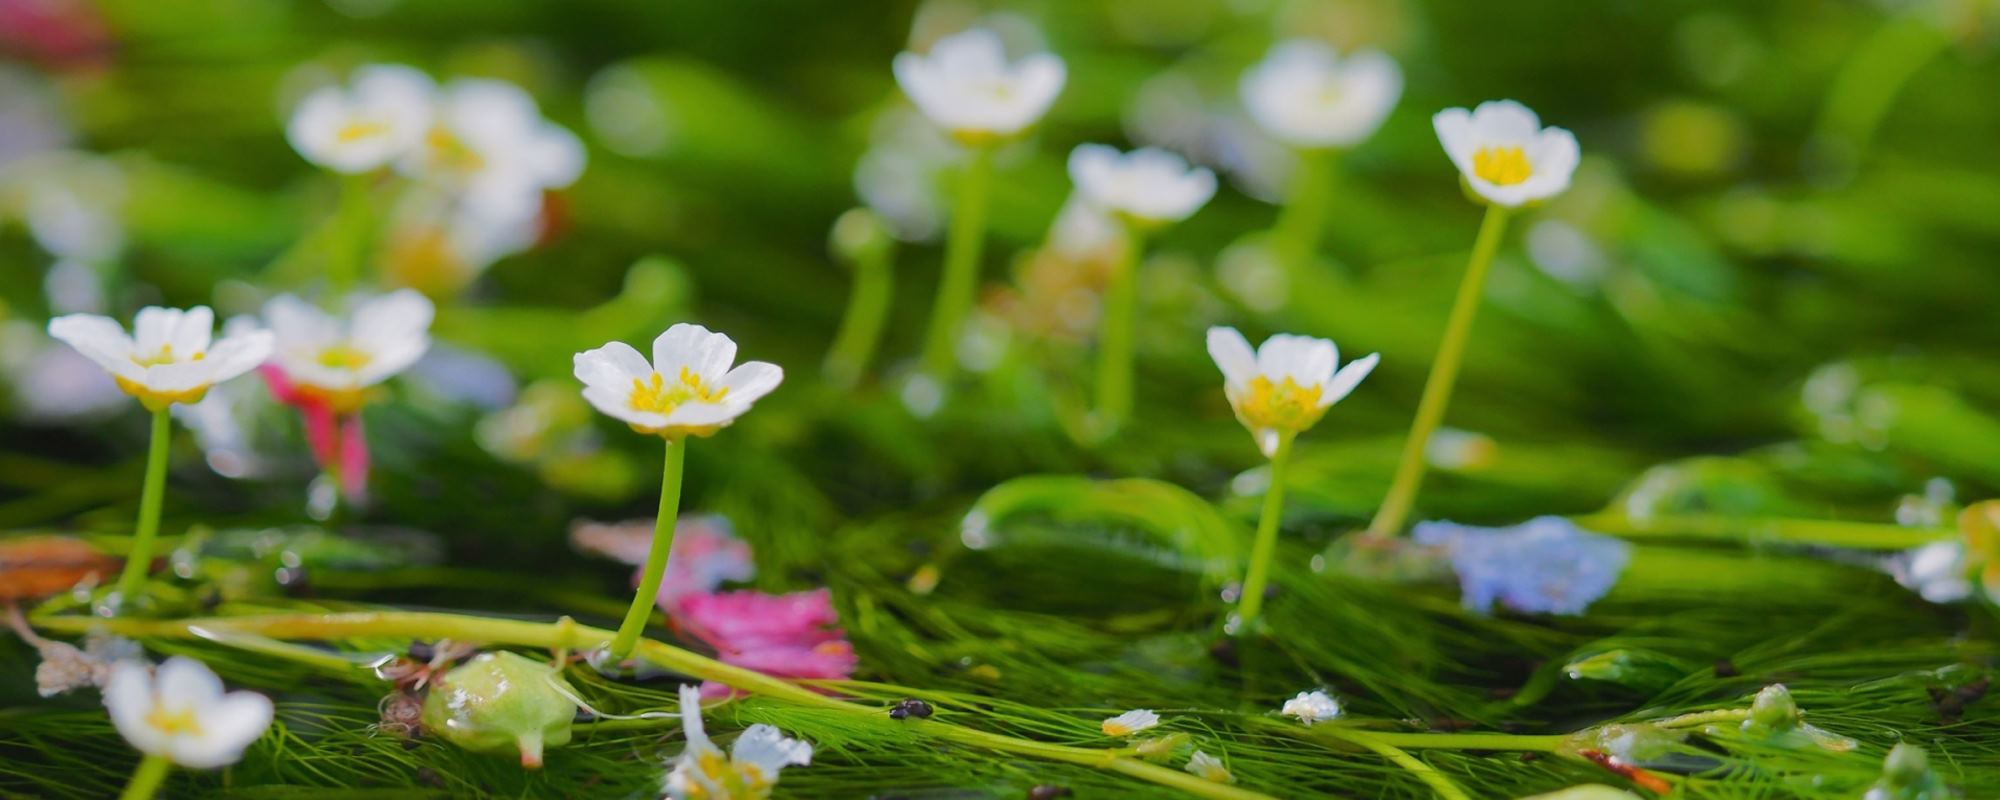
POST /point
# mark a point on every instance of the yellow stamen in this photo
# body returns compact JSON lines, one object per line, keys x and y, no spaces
{"x":1502,"y":166}
{"x":165,"y":356}
{"x":343,"y":356}
{"x":656,"y":395}
{"x":1116,"y":728}
{"x":452,"y":152}
{"x":1284,"y":406}
{"x":173,"y":723}
{"x":358,"y":130}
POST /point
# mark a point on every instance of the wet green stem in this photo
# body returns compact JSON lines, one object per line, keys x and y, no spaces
{"x":636,"y":617}
{"x":1444,"y":373}
{"x":1266,"y":542}
{"x":147,"y":778}
{"x":1114,"y":339}
{"x":140,"y":561}
{"x":867,"y":309}
{"x":426,"y":625}
{"x":958,"y":286}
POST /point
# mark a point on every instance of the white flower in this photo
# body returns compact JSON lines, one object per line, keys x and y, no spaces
{"x":702,"y":772}
{"x":688,"y":389}
{"x":1304,"y":95}
{"x":1148,"y":185}
{"x":378,"y":118}
{"x":1938,"y":571}
{"x":488,"y":140}
{"x":437,"y":244}
{"x":1130,"y":722}
{"x":1311,"y":707}
{"x":1209,"y":768}
{"x":1504,"y":153}
{"x":1286,"y":385}
{"x":966,"y":86}
{"x":182,"y":714}
{"x":337,"y":358}
{"x":170,"y":358}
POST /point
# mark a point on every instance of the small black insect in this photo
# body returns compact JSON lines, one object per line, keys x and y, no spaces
{"x":910,"y":707}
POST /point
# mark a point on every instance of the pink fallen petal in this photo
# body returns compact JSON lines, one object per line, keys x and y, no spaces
{"x":353,"y":459}
{"x":833,"y":660}
{"x":748,"y":621}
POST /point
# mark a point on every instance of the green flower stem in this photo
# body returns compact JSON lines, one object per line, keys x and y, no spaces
{"x":867,"y":309}
{"x":349,"y":246}
{"x":140,"y":560}
{"x":1724,"y":527}
{"x":1114,"y":339}
{"x":1295,"y":237}
{"x":961,"y":266}
{"x":656,"y":558}
{"x":1441,"y":785}
{"x":1395,"y":746}
{"x":147,"y":778}
{"x":1252,"y":599}
{"x":1444,"y":372}
{"x":520,"y":633}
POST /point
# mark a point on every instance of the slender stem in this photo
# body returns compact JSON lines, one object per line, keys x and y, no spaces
{"x":521,"y":633}
{"x":961,"y":266}
{"x":147,"y":778}
{"x":1267,"y":537}
{"x":1445,"y":789}
{"x":1295,"y":237}
{"x":1822,"y":532}
{"x":867,"y":310}
{"x":656,"y":558}
{"x":1444,"y":372}
{"x":351,"y":237}
{"x":1114,"y":340}
{"x":140,"y":561}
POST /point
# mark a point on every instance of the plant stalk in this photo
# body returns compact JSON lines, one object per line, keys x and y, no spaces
{"x":147,"y":778}
{"x":140,"y":561}
{"x":960,"y":282}
{"x":867,"y":310}
{"x":1444,"y":373}
{"x":656,"y":558}
{"x":1252,"y":601}
{"x":1296,"y":235}
{"x":1114,"y":340}
{"x":1724,"y":527}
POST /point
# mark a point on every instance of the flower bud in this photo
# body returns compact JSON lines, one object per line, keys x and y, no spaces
{"x":1907,"y":775}
{"x":859,"y":236}
{"x":502,"y":701}
{"x":1773,"y":711}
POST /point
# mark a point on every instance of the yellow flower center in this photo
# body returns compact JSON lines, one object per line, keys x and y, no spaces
{"x":658,"y":396}
{"x":342,"y":356}
{"x":451,"y":152}
{"x":359,"y":129}
{"x":1502,"y":166}
{"x":173,"y":723}
{"x":1284,"y":406}
{"x":165,"y":356}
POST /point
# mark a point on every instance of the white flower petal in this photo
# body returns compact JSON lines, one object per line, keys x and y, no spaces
{"x":128,"y":696}
{"x":98,"y":338}
{"x":1232,"y":355}
{"x":768,"y":750}
{"x":704,"y":352}
{"x":1347,"y":378}
{"x":752,"y":380}
{"x":612,"y":367}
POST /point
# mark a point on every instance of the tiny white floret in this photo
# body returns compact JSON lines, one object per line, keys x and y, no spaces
{"x":1505,"y":155}
{"x":182,"y":714}
{"x":1311,"y":707}
{"x":1209,"y":768}
{"x":379,"y":117}
{"x":1305,"y":95}
{"x":171,"y":356}
{"x":750,"y":770}
{"x":489,"y":142}
{"x":966,"y":85}
{"x":688,"y":389}
{"x":337,"y":358}
{"x":1130,"y":722}
{"x":1286,"y":384}
{"x":1148,"y":186}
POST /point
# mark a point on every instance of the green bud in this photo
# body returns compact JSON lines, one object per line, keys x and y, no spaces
{"x":1773,"y":711}
{"x":1907,"y":775}
{"x":501,"y":702}
{"x":859,"y":236}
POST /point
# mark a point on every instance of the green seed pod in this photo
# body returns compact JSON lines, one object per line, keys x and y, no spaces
{"x":502,"y":701}
{"x":1773,"y":711}
{"x":1907,"y":775}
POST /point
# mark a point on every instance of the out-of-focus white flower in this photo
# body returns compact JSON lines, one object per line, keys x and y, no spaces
{"x":337,"y":358}
{"x":181,"y":713}
{"x":965,"y":85}
{"x":380,"y":116}
{"x":1504,"y":153}
{"x":1286,"y":384}
{"x":751,"y":768}
{"x":1130,"y":722}
{"x":169,"y":358}
{"x":688,"y":389}
{"x":488,"y":142}
{"x":1082,"y":229}
{"x":1209,"y":768}
{"x":1937,"y":572}
{"x":1306,"y":96}
{"x":1311,"y":707}
{"x":1546,"y":565}
{"x":1148,"y":186}
{"x":437,"y":245}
